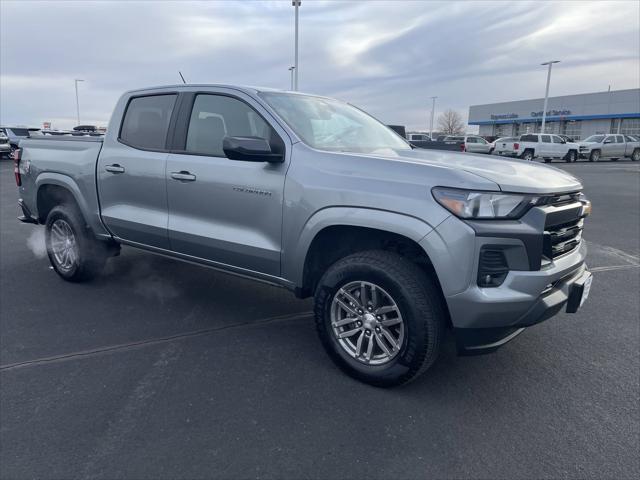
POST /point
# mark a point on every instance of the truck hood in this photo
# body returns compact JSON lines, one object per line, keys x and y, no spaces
{"x":510,"y":175}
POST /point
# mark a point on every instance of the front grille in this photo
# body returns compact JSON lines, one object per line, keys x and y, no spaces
{"x":563,"y":227}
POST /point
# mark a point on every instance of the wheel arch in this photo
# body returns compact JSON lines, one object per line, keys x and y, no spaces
{"x":336,"y":232}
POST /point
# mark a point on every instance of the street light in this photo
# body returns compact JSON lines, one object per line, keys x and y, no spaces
{"x":433,"y":110}
{"x":77,"y":102}
{"x":292,"y":69}
{"x":296,"y":4}
{"x":546,"y":93}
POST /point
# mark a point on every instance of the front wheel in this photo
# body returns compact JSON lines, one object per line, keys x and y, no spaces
{"x":380,"y":317}
{"x":73,"y":251}
{"x":571,"y":156}
{"x":635,"y":156}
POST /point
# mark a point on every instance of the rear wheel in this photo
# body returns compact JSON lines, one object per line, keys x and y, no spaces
{"x":527,"y":155}
{"x":635,"y":156}
{"x":380,"y":317}
{"x":73,"y":251}
{"x":594,"y":156}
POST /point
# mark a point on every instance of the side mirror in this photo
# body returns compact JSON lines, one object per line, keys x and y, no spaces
{"x":608,"y":140}
{"x":250,"y":149}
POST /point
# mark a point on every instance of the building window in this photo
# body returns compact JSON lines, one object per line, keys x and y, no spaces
{"x":630,"y":126}
{"x":550,"y":127}
{"x":573,"y":129}
{"x":502,"y":130}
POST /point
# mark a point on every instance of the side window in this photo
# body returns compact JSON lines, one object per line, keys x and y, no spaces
{"x":471,"y":140}
{"x":619,"y":138}
{"x":214,"y":117}
{"x":146,"y":121}
{"x":529,"y":138}
{"x":546,"y":138}
{"x":481,"y":140}
{"x":556,"y":139}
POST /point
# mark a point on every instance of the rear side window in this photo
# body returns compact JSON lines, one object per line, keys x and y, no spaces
{"x":146,"y":121}
{"x":529,"y":138}
{"x":217,"y":116}
{"x":619,"y":138}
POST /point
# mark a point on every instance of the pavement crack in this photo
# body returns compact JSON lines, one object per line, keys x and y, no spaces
{"x":152,"y":341}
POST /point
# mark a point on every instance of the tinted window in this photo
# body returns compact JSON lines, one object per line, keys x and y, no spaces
{"x":545,"y":138}
{"x":529,"y":138}
{"x":20,"y":132}
{"x":557,"y":139}
{"x":146,"y":121}
{"x":215,"y":116}
{"x":619,"y":139}
{"x":472,"y":140}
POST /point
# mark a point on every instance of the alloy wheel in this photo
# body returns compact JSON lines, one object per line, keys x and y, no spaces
{"x":63,"y":245}
{"x":367,"y":323}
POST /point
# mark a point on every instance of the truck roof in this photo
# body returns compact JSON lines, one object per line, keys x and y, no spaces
{"x":181,"y":86}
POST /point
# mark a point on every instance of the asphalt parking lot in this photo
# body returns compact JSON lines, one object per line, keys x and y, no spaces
{"x":162,"y":369}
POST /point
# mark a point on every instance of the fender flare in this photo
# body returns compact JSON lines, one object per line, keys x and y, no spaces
{"x":388,"y":221}
{"x":61,"y":180}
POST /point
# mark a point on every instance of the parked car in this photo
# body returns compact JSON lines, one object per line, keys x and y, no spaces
{"x":396,"y":244}
{"x":597,"y":147}
{"x":421,"y":137}
{"x":5,"y":147}
{"x":567,"y":138}
{"x":503,"y":146}
{"x":546,"y":146}
{"x":15,"y":135}
{"x":471,"y":143}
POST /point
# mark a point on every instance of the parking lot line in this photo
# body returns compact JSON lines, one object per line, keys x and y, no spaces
{"x":152,"y":341}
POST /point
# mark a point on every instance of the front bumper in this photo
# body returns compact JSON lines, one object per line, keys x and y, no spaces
{"x":534,"y":289}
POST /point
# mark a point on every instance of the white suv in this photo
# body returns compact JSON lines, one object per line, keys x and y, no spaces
{"x":546,"y":146}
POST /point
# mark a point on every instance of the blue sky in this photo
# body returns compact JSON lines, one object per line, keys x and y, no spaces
{"x":387,"y":57}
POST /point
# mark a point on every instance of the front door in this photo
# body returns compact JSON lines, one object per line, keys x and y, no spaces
{"x":131,"y":173}
{"x":222,"y":210}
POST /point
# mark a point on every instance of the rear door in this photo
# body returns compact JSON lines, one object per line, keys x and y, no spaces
{"x":620,"y":151}
{"x":131,"y":172}
{"x":546,"y":146}
{"x":221,"y":210}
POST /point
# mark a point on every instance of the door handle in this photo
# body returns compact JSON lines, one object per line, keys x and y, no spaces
{"x":183,"y":176}
{"x":115,"y":168}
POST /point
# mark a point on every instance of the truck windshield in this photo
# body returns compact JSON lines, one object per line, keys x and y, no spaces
{"x":595,"y":138}
{"x":328,"y":124}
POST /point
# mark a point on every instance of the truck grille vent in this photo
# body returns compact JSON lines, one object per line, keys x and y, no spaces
{"x":492,"y":267}
{"x":562,"y":238}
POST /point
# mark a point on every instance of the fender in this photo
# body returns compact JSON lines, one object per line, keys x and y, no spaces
{"x":393,"y":222}
{"x":89,"y":210}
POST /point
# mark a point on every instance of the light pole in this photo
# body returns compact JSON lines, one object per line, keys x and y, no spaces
{"x":546,"y":93}
{"x":292,"y":69}
{"x":296,"y":4}
{"x":433,"y":111}
{"x":77,"y":102}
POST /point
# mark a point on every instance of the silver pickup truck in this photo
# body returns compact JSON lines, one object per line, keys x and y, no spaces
{"x":598,"y":147}
{"x":398,"y":245}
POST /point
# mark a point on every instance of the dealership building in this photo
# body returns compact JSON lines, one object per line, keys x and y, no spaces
{"x":577,"y":116}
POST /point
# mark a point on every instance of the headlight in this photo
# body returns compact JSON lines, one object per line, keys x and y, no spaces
{"x":470,"y":204}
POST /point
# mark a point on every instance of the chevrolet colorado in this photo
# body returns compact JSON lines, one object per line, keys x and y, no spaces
{"x":397,"y":245}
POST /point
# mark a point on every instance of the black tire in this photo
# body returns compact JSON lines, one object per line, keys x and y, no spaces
{"x":571,"y":156}
{"x":635,"y":156}
{"x":527,"y":155}
{"x":594,"y":156}
{"x":91,"y":254}
{"x":614,"y":159}
{"x":547,"y":160}
{"x":419,"y":301}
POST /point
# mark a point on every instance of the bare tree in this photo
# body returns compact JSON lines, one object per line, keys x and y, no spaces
{"x":450,"y":123}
